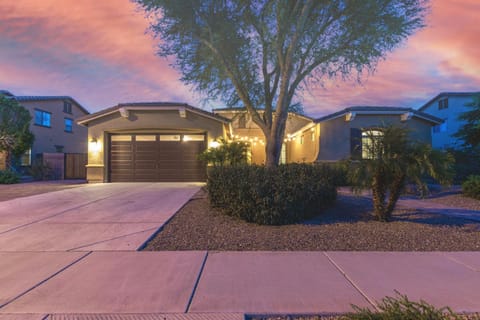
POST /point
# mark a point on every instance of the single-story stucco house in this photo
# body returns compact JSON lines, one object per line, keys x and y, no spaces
{"x":160,"y":141}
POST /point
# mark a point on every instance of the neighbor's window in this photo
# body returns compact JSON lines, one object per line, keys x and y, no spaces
{"x":43,"y":118}
{"x":370,"y":143}
{"x":67,"y":107}
{"x":441,"y":127}
{"x":68,"y":125}
{"x":26,"y":158}
{"x":443,"y":104}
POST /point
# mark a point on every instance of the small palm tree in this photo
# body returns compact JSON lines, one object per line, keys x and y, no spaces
{"x":391,"y":159}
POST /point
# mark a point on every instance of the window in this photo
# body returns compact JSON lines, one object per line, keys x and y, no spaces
{"x":193,"y":137}
{"x":26,"y":158}
{"x":370,"y":145}
{"x":301,"y":139}
{"x":42,"y":118}
{"x":242,"y":121}
{"x":283,"y":154}
{"x":67,"y":107}
{"x":68,"y":125}
{"x":441,"y":127}
{"x":313,"y":136}
{"x":169,"y":137}
{"x":443,"y":104}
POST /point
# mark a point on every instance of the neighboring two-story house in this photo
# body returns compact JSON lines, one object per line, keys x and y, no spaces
{"x":53,"y":124}
{"x":447,"y":106}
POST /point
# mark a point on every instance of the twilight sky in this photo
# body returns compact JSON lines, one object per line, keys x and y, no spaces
{"x":98,"y":52}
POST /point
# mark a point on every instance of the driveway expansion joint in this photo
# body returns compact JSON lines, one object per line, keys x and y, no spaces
{"x":194,"y":290}
{"x":363,"y":294}
{"x":46,"y":279}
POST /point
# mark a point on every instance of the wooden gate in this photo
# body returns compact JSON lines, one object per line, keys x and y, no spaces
{"x":75,"y":165}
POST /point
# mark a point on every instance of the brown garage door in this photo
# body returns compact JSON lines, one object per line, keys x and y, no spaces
{"x":156,"y":157}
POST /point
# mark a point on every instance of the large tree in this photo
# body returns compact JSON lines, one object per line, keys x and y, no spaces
{"x":470,"y":131}
{"x":259,"y":54}
{"x":15,"y":135}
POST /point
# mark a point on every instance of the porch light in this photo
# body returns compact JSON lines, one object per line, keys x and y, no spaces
{"x":94,"y":145}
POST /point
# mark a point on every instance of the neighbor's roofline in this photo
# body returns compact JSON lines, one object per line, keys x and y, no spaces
{"x":380,"y":111}
{"x":146,"y":106}
{"x":443,"y":94}
{"x":241,"y":109}
{"x":49,"y":98}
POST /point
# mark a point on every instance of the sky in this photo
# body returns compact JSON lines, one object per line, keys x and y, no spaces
{"x":100,"y":53}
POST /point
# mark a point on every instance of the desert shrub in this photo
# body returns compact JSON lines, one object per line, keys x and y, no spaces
{"x":233,"y":153}
{"x":471,"y":187}
{"x":9,"y":177}
{"x":400,"y":308}
{"x":41,"y":171}
{"x":272,"y":196}
{"x":466,"y":163}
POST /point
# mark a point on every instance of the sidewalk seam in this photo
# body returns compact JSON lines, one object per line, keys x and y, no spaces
{"x":190,"y":300}
{"x":45,"y":280}
{"x":363,"y":294}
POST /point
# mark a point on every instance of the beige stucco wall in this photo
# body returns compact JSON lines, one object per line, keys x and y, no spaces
{"x":47,"y":138}
{"x":151,"y":121}
{"x":253,"y":133}
{"x":335,"y":133}
{"x":306,"y":149}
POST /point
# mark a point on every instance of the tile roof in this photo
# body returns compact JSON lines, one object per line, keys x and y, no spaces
{"x":241,"y":109}
{"x":379,"y":110}
{"x":153,"y":106}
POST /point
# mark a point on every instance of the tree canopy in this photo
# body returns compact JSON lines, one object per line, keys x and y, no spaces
{"x":15,"y":135}
{"x":259,"y":53}
{"x":470,"y":132}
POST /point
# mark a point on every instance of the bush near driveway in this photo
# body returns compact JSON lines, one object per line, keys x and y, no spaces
{"x":471,"y":187}
{"x":9,"y":177}
{"x":272,"y":196}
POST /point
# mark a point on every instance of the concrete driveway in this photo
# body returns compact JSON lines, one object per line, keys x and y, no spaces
{"x":115,"y":216}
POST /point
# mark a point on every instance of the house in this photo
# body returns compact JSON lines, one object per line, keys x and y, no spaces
{"x":160,"y":141}
{"x":447,"y":106}
{"x":53,"y":124}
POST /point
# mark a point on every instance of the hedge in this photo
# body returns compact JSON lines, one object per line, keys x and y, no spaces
{"x":273,"y":196}
{"x":471,"y":187}
{"x":9,"y":177}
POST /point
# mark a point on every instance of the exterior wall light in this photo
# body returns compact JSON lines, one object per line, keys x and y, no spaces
{"x":94,"y":145}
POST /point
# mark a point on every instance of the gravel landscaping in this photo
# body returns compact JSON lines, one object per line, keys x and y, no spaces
{"x":12,"y":191}
{"x":348,"y":226}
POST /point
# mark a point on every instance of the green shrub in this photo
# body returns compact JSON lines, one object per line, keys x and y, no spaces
{"x":232,"y":153}
{"x":400,"y":308}
{"x":9,"y":177}
{"x":471,"y":187}
{"x":272,"y":196}
{"x":466,"y":163}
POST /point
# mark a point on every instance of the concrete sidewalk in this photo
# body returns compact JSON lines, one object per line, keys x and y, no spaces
{"x":226,"y":285}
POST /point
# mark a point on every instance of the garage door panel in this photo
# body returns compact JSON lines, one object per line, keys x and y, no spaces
{"x":149,"y":158}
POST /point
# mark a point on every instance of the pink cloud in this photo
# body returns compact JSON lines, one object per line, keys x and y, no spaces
{"x":98,"y":52}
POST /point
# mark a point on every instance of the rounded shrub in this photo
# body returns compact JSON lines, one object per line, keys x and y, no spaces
{"x":471,"y":187}
{"x":272,"y":196}
{"x":9,"y":177}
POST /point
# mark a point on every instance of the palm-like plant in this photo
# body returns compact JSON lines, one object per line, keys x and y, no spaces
{"x":393,"y":160}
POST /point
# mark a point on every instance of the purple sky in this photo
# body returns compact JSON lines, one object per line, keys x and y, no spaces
{"x":98,"y":52}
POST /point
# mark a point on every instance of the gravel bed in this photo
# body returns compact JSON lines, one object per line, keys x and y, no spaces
{"x":456,"y":200}
{"x":348,"y":226}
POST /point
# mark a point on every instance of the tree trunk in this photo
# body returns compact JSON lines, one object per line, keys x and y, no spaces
{"x":378,"y":195}
{"x":395,"y":191}
{"x":272,"y":151}
{"x":273,"y":145}
{"x":8,"y":159}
